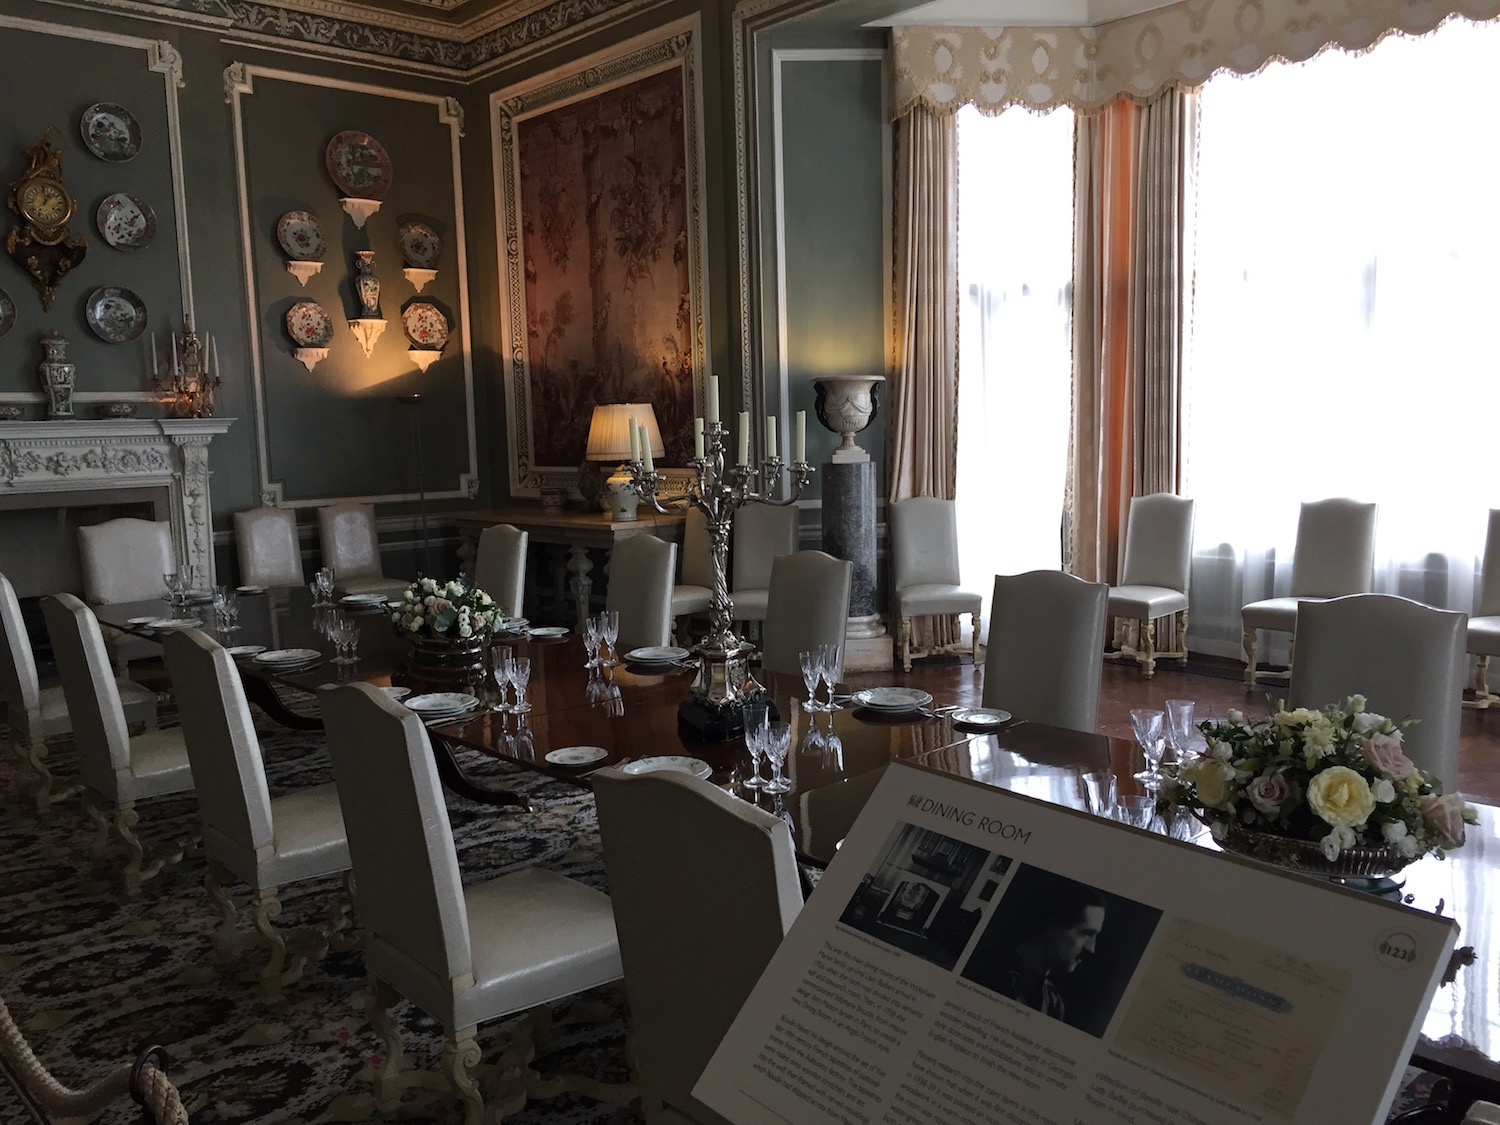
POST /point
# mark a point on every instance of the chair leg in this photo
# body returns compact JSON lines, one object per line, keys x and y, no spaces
{"x":1147,"y":654}
{"x":386,"y":1078}
{"x":1481,"y":685}
{"x":1250,"y":650}
{"x":100,"y":843}
{"x":278,"y":973}
{"x":977,"y":623}
{"x":226,"y":940}
{"x":1182,"y":628}
{"x":460,"y":1056}
{"x":906,"y":644}
{"x":136,"y":871}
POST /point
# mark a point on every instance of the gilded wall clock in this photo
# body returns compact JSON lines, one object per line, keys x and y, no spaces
{"x":43,"y":245}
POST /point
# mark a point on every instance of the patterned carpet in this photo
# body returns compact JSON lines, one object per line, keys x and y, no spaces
{"x":91,"y":976}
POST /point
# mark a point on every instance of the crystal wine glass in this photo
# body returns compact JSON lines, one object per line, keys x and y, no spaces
{"x":778,"y":741}
{"x":756,"y":716}
{"x":591,"y":641}
{"x":1179,"y":725}
{"x":609,"y":632}
{"x":812,"y":671}
{"x":520,"y":676}
{"x":169,"y":580}
{"x":1147,"y":725}
{"x":502,"y":659}
{"x":832,"y":670}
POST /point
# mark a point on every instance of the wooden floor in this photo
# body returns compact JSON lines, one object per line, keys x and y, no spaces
{"x":1215,"y":685}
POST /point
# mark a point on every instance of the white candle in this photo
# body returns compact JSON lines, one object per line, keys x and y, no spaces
{"x":744,"y":437}
{"x":713,"y":398}
{"x":174,"y":353}
{"x":155,"y":370}
{"x":635,"y":441}
{"x":213,"y":352}
{"x":646,"y":449}
{"x":770,"y":436}
{"x":698,"y":438}
{"x":801,"y":436}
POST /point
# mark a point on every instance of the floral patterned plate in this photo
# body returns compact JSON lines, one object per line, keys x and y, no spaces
{"x":116,"y":315}
{"x":421,"y":246}
{"x":301,"y":236}
{"x":111,"y":132}
{"x":127,"y":223}
{"x":358,"y":165}
{"x":308,"y":325}
{"x":426,"y":326}
{"x":7,"y":312}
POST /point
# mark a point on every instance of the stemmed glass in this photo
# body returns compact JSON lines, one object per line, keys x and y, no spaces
{"x":832,"y":670}
{"x":591,"y":641}
{"x":227,"y":609}
{"x":503,"y":660}
{"x":520,"y":676}
{"x":1180,"y":729}
{"x":609,"y":632}
{"x":756,"y":716}
{"x":1147,"y":725}
{"x":345,"y":636}
{"x":812,"y":670}
{"x":174,"y":587}
{"x":778,"y":740}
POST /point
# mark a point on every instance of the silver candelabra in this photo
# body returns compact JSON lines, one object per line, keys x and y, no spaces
{"x":724,"y":681}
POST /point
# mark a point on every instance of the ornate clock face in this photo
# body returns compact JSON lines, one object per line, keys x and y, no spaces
{"x":45,"y":203}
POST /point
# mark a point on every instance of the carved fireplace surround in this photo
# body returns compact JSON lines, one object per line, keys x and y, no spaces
{"x":56,"y":464}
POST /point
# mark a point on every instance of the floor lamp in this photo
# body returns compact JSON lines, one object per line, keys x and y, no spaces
{"x":415,"y":400}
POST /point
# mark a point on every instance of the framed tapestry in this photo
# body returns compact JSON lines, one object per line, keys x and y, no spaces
{"x":601,"y":228}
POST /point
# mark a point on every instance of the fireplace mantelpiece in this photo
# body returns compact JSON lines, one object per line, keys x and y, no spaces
{"x":42,"y":462}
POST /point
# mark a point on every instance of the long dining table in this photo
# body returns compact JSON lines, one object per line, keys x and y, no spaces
{"x":836,"y":760}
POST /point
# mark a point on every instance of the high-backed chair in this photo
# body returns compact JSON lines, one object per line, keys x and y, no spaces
{"x":346,"y":534}
{"x":695,"y":593}
{"x":924,"y":555}
{"x":640,"y":590}
{"x":1334,"y":556}
{"x":500,"y":566}
{"x":808,"y":607}
{"x":761,"y":533}
{"x":266,"y":542}
{"x":35,"y":713}
{"x":1046,"y":634}
{"x":124,"y":560}
{"x":1154,"y":579}
{"x":693,"y":946}
{"x":1484,"y":627}
{"x":113,"y":764}
{"x":247,"y":835}
{"x":1405,"y":658}
{"x":463,"y":954}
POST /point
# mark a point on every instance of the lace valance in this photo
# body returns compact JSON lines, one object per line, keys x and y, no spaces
{"x":1185,"y":43}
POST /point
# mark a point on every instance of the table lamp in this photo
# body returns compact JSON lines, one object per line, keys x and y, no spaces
{"x":609,"y":440}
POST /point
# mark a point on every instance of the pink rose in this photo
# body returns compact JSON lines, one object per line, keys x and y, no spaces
{"x":1444,"y":818}
{"x":1383,"y":751}
{"x":1269,"y":792}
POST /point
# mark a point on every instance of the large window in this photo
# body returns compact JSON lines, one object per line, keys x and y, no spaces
{"x":1342,"y":329}
{"x":1015,"y":208}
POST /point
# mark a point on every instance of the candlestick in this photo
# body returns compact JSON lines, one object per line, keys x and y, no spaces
{"x":770,"y":436}
{"x":698,"y":438}
{"x":713,"y":398}
{"x":801,"y":450}
{"x":744,"y":457}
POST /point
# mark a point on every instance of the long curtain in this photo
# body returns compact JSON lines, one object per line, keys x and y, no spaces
{"x":924,"y":398}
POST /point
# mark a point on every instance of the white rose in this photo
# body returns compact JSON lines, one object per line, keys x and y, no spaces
{"x":1330,"y":846}
{"x":1367,"y":722}
{"x":465,"y":631}
{"x":414,"y":625}
{"x":1221,"y":751}
{"x":1384,"y":792}
{"x":1236,"y":717}
{"x":1355,"y":704}
{"x":1406,"y":847}
{"x":1394,"y":831}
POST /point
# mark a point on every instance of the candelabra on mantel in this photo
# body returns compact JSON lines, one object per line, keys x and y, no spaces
{"x":190,"y":379}
{"x":724,"y":682}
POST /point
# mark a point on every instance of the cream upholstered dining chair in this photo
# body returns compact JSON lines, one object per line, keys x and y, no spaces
{"x":249,"y":836}
{"x":1334,"y":556}
{"x":688,"y":972}
{"x":1154,"y":579}
{"x":124,"y":560}
{"x":640,"y":590}
{"x":1405,"y":658}
{"x":463,"y":954}
{"x":1046,"y":634}
{"x":346,"y":534}
{"x":35,"y":713}
{"x":695,"y":593}
{"x":266,"y":541}
{"x":1484,"y":626}
{"x":114,"y":765}
{"x":808,"y":607}
{"x":762,"y":532}
{"x":924,"y":550}
{"x":500,"y":566}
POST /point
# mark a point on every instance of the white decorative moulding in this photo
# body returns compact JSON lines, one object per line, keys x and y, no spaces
{"x":367,"y":330}
{"x":423,"y":357}
{"x":304,"y":270}
{"x":55,"y":458}
{"x":310,"y":357}
{"x":360,"y":209}
{"x":419,"y":278}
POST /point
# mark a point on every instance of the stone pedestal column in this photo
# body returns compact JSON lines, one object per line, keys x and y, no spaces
{"x":849,"y":533}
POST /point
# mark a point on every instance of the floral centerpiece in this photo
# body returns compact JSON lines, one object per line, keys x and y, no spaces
{"x":1330,"y":791}
{"x":446,"y":615}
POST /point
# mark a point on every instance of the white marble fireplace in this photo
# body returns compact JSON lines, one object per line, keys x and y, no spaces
{"x":163,"y":461}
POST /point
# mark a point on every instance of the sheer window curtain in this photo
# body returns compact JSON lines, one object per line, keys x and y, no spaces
{"x":1341,"y":339}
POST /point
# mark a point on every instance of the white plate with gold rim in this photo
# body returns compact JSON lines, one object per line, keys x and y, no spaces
{"x":545,"y":631}
{"x":577,"y":755}
{"x":670,"y":763}
{"x":894,"y":699}
{"x":285,"y":657}
{"x":985,"y":718}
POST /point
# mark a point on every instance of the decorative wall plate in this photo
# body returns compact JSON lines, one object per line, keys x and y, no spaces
{"x":111,"y":132}
{"x":7,"y":312}
{"x":421,"y":246}
{"x":116,"y":315}
{"x":308,"y":325}
{"x":127,"y":223}
{"x":426,"y":326}
{"x":358,"y":165}
{"x":301,"y":236}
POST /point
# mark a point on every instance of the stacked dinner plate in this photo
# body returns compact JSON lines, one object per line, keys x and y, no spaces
{"x":442,"y":706}
{"x":287,"y":659}
{"x":363,"y":601}
{"x":892,"y":700}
